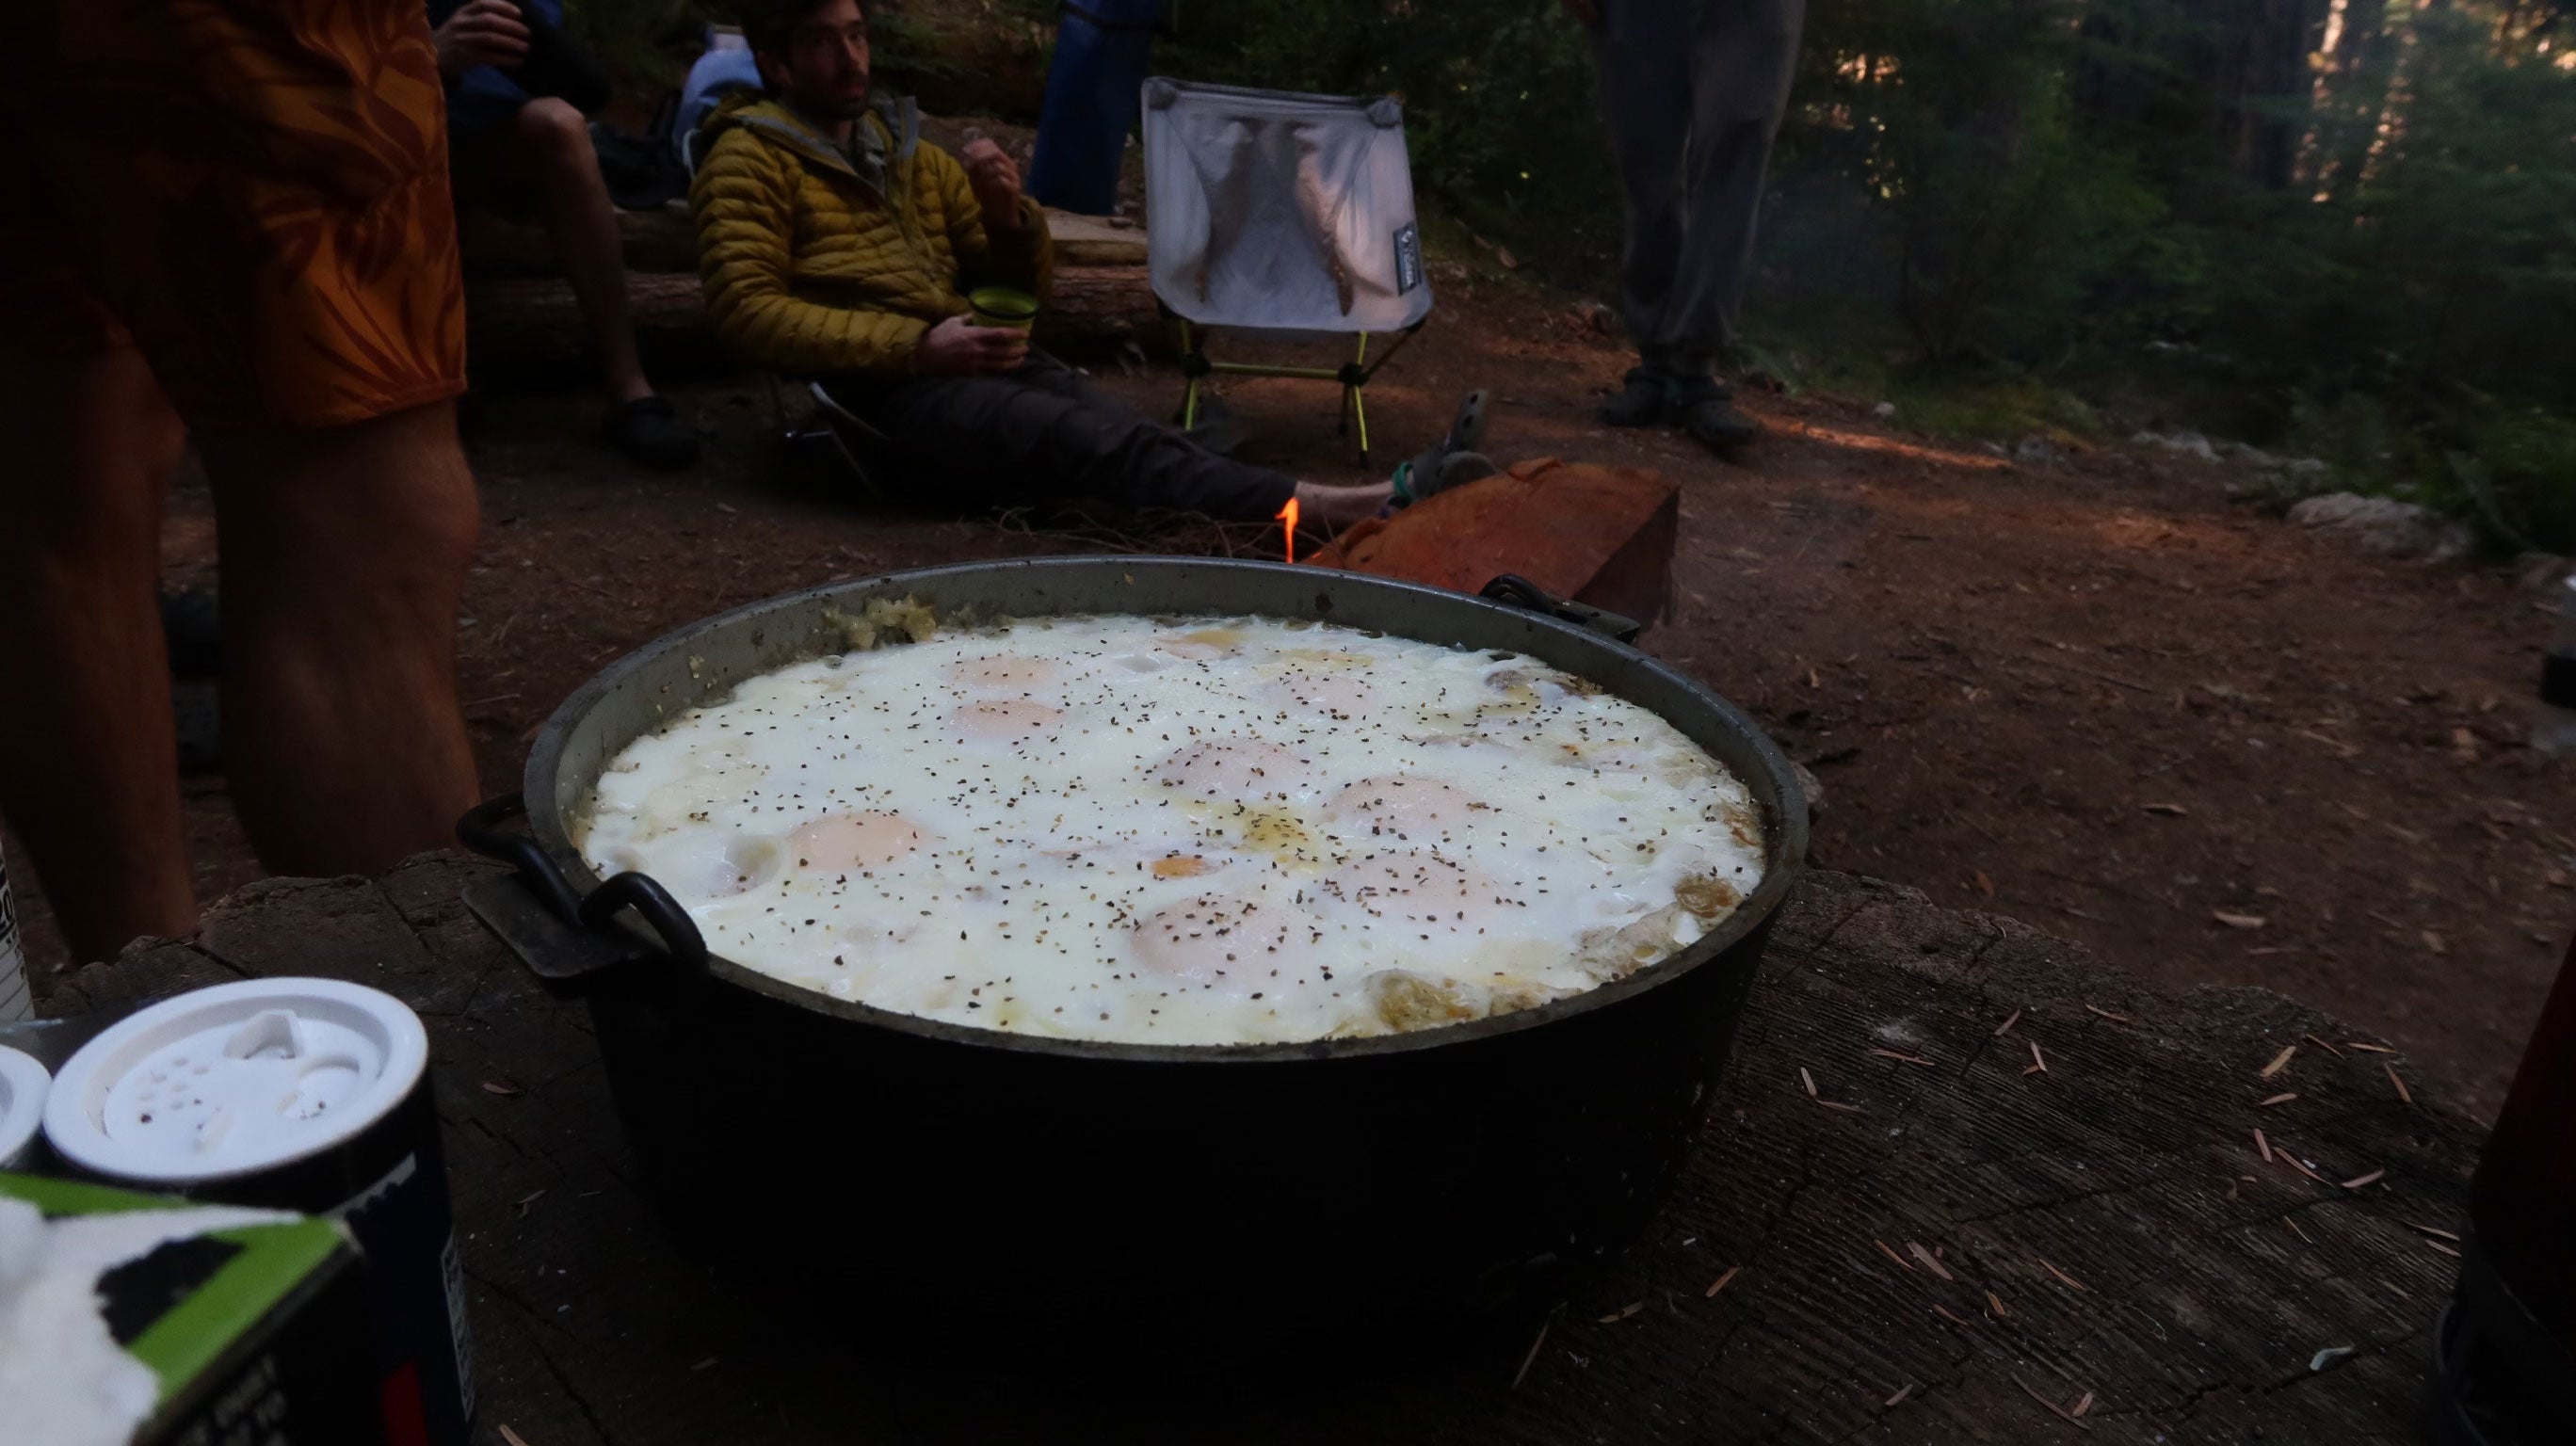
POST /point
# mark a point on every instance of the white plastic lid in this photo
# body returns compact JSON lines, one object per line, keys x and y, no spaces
{"x":23,"y":1083}
{"x":234,"y":1079}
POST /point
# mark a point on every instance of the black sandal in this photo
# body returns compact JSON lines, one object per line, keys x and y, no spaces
{"x":649,"y":433}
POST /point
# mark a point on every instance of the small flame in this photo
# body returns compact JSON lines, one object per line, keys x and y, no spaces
{"x":1287,"y":516}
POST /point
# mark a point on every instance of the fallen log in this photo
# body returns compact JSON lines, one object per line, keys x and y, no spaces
{"x":665,"y":239}
{"x":1095,"y":240}
{"x":1097,"y":308}
{"x":660,"y":240}
{"x":512,"y":320}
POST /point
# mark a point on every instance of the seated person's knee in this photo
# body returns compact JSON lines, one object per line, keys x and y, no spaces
{"x":554,"y":127}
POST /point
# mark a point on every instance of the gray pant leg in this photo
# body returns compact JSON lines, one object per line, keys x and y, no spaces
{"x":1645,"y":100}
{"x":1039,"y":430}
{"x":1693,"y":91}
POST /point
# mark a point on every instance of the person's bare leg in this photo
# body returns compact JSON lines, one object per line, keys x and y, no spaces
{"x":1335,"y":508}
{"x":89,"y":773}
{"x":344,"y":555}
{"x":552,"y":143}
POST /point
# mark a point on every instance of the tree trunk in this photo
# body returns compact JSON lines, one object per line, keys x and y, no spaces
{"x":2273,"y":78}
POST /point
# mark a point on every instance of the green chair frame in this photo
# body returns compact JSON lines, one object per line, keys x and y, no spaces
{"x":1353,"y":377}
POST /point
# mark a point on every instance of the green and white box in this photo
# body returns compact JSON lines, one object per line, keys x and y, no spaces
{"x":132,"y":1318}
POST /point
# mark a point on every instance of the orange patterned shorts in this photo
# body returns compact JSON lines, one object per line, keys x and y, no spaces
{"x":253,"y":192}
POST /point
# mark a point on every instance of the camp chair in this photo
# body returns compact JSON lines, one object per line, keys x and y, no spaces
{"x":828,"y":433}
{"x":1286,"y":216}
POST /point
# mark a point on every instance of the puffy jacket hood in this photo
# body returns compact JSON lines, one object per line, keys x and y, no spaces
{"x":895,"y":118}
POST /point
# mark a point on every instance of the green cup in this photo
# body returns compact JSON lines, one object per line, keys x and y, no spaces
{"x":1003,"y":306}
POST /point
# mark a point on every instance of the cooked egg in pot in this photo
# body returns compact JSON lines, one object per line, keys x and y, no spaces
{"x":1210,"y":831}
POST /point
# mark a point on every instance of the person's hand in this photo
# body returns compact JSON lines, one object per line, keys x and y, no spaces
{"x":484,"y":32}
{"x":996,"y":182}
{"x":1587,"y":11}
{"x":958,"y":347}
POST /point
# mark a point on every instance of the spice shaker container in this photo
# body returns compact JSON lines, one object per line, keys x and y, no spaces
{"x":311,"y":1095}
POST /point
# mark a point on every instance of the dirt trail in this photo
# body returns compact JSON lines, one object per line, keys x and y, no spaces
{"x":2096,"y":695}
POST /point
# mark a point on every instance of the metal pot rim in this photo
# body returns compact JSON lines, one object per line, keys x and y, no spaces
{"x":1785,"y":832}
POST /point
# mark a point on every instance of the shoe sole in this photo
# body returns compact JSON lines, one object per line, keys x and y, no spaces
{"x":1726,"y":447}
{"x":1467,"y":429}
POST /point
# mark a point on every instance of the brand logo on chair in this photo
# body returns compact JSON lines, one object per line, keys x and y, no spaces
{"x":1408,"y":258}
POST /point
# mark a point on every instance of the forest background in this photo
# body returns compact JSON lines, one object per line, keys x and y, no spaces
{"x":2344,"y":229}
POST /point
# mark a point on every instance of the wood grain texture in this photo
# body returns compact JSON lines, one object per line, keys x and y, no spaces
{"x":512,"y":321}
{"x":1091,"y":308}
{"x":664,"y":239}
{"x":2106,"y":1224}
{"x":1095,"y":240}
{"x":1601,"y":535}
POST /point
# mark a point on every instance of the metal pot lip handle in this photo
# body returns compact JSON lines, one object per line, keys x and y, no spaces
{"x":653,"y":903}
{"x":481,"y":831}
{"x":1520,"y":592}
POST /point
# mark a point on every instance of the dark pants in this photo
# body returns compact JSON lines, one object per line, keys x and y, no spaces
{"x":1693,"y":91}
{"x":1039,"y":430}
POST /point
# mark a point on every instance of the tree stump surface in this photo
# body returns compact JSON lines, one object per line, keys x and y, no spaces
{"x":1992,"y":1242}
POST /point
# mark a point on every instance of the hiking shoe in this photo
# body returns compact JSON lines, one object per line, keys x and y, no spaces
{"x":1467,"y":428}
{"x":1451,"y":460}
{"x":1456,"y":469}
{"x":1643,"y":400}
{"x":1706,"y":410}
{"x":649,"y":433}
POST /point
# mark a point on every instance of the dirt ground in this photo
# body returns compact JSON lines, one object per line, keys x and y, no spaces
{"x":2096,"y":694}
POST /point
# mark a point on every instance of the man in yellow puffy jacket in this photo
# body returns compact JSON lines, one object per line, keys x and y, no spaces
{"x":834,"y":243}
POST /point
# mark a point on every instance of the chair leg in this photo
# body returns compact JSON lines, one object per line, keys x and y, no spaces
{"x":1194,"y":367}
{"x":828,"y":424}
{"x":1354,"y":377}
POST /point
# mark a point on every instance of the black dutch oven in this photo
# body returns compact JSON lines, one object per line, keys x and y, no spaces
{"x":945,"y":1171}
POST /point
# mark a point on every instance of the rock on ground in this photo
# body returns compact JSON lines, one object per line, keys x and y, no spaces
{"x":2385,"y":526}
{"x":2543,"y":572}
{"x":2190,"y":444}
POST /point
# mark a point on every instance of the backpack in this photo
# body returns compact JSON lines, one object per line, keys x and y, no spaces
{"x":643,"y":172}
{"x":652,"y":169}
{"x":725,"y":68}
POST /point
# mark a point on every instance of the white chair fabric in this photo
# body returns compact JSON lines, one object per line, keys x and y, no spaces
{"x":1278,"y":212}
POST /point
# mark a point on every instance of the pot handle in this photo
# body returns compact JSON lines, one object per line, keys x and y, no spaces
{"x":1520,"y":592}
{"x":481,"y":830}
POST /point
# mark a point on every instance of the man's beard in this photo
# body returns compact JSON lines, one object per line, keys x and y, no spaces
{"x":831,"y":105}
